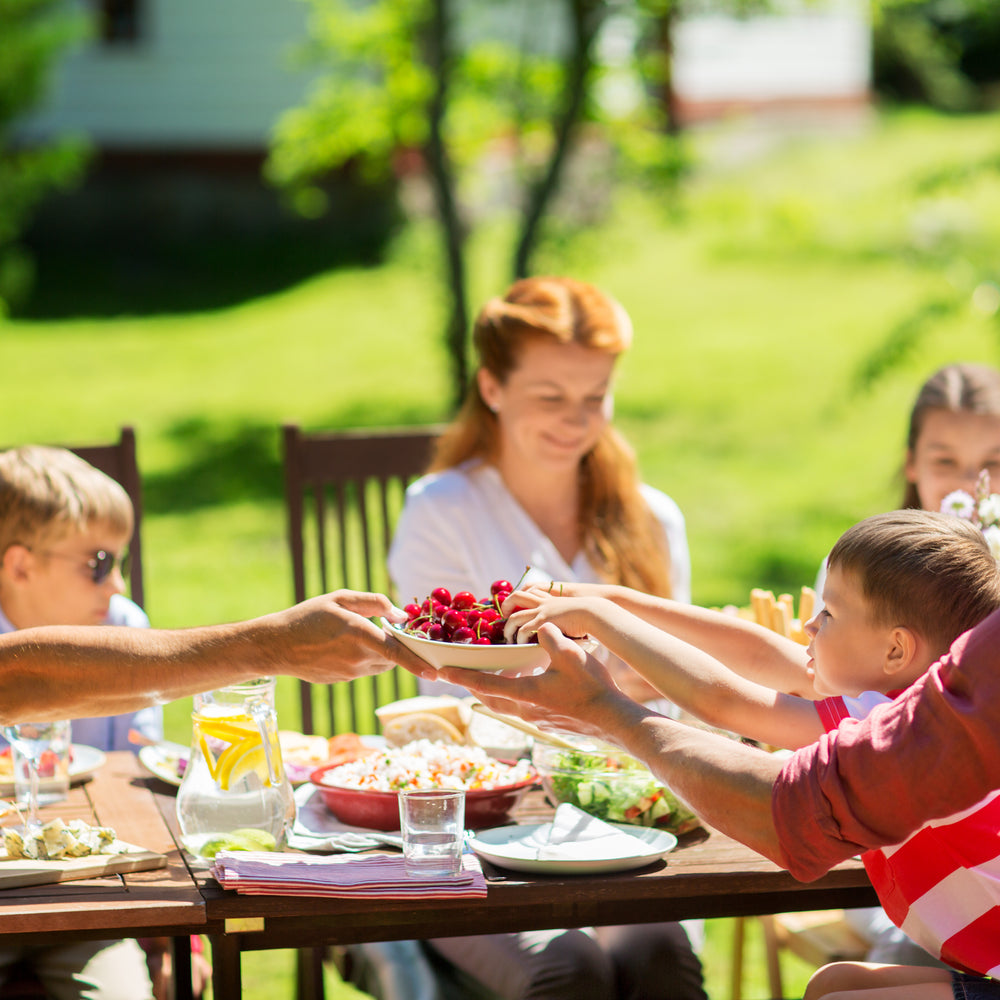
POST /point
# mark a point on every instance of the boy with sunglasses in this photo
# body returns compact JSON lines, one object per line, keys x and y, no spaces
{"x":64,"y":526}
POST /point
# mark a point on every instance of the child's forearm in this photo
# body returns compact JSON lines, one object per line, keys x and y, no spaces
{"x":692,"y":679}
{"x":699,"y":684}
{"x":755,"y":653}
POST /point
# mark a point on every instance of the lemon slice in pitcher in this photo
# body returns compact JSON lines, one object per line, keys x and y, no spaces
{"x":239,"y":761}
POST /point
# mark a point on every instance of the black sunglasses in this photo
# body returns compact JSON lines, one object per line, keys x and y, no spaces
{"x":101,"y":564}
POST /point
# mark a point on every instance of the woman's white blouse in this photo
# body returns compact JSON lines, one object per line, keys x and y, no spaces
{"x":462,"y":529}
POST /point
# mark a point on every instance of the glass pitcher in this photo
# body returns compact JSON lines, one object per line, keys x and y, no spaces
{"x":235,"y":794}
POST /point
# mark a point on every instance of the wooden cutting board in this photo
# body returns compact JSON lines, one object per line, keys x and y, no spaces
{"x":18,"y":872}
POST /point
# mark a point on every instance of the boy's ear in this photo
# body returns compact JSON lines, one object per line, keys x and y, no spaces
{"x":904,"y":647}
{"x":16,"y":562}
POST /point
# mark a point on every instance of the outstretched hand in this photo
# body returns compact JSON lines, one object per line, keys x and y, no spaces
{"x":574,"y":693}
{"x":332,"y":638}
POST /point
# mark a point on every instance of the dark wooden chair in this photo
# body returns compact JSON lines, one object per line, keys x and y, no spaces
{"x":119,"y":461}
{"x":344,"y":492}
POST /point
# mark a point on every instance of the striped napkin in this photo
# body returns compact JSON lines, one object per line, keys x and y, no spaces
{"x":374,"y":876}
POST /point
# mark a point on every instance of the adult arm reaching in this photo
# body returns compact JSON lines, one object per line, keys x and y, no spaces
{"x":71,"y":672}
{"x":726,"y":783}
{"x":931,"y":752}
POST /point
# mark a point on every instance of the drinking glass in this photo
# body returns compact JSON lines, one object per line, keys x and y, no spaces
{"x":31,"y":740}
{"x":433,"y":826}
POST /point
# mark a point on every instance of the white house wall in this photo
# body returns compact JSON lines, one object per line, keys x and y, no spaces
{"x":819,"y":50}
{"x":216,"y":74}
{"x":211,"y":74}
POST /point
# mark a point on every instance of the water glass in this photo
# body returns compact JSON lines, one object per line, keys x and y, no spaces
{"x":40,"y":755}
{"x":433,"y":825}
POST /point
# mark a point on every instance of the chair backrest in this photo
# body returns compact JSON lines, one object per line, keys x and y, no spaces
{"x":344,"y":492}
{"x":118,"y":461}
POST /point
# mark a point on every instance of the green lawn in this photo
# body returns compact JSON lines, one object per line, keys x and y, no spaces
{"x":763,"y":296}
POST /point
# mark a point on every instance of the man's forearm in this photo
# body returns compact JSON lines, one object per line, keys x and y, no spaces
{"x":107,"y":670}
{"x":726,"y":783}
{"x":90,"y":670}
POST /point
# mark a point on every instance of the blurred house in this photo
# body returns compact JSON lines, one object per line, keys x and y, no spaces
{"x":178,"y":98}
{"x":186,"y":77}
{"x":208,"y":78}
{"x":803,"y":55}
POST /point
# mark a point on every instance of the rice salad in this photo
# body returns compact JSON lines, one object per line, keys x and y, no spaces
{"x":428,"y":764}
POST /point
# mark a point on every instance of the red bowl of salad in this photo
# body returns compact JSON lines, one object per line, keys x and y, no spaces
{"x":366,"y":793}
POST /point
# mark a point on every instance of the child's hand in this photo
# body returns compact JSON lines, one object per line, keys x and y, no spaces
{"x":562,"y":588}
{"x":528,"y":610}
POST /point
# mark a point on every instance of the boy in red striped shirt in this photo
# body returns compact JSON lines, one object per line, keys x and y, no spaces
{"x":901,"y":588}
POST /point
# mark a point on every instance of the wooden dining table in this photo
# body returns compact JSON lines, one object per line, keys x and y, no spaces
{"x":161,"y":902}
{"x":706,"y":875}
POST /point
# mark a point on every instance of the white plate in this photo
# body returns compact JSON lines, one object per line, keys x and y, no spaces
{"x":516,"y":847}
{"x":162,"y":759}
{"x":85,"y":761}
{"x":520,"y":656}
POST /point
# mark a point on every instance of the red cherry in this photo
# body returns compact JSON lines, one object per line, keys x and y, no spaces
{"x":436,"y":632}
{"x":496,"y":632}
{"x":464,"y":635}
{"x":499,"y":597}
{"x":475,"y":616}
{"x":412,"y":611}
{"x":483,"y":640}
{"x":488,"y":615}
{"x":463,"y":600}
{"x":425,"y":626}
{"x":497,"y":585}
{"x":454,"y":619}
{"x":441,"y":594}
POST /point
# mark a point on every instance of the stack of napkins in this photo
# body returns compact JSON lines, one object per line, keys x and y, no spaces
{"x":575,"y":835}
{"x":261,"y":873}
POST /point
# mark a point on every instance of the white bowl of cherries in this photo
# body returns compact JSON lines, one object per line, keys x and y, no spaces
{"x":462,"y":630}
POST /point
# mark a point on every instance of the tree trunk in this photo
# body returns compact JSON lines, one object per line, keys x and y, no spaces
{"x":440,"y":61}
{"x":665,"y":39}
{"x":586,"y":17}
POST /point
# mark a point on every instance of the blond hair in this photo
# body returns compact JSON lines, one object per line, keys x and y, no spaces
{"x":48,"y":492}
{"x":930,"y":572}
{"x":618,"y":532}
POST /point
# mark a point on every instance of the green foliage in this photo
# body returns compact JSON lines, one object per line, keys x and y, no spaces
{"x":488,"y":96}
{"x":32,"y":35}
{"x":937,"y":52}
{"x":368,"y":103}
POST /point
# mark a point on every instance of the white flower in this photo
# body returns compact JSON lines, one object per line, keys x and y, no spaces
{"x":992,"y":536}
{"x":959,"y":503}
{"x":989,"y":510}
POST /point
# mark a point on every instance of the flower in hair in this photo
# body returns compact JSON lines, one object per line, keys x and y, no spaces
{"x":982,"y":510}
